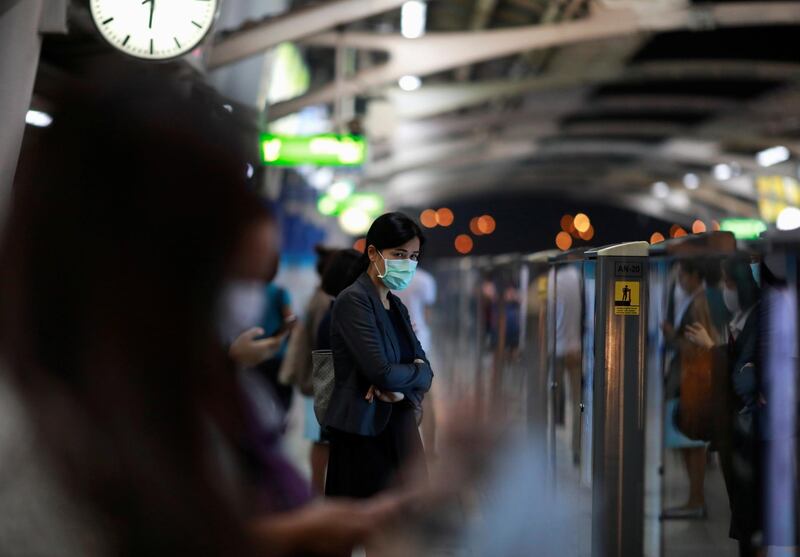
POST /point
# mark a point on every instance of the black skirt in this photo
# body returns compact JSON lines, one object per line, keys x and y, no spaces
{"x":361,"y":466}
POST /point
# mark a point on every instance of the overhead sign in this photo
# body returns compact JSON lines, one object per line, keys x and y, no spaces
{"x":318,"y":150}
{"x":775,"y":193}
{"x":626,"y":297}
{"x":743,"y":229}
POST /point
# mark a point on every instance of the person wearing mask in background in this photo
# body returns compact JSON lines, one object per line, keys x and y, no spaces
{"x":297,"y":366}
{"x":381,"y":370}
{"x":739,"y":402}
{"x":687,"y":384}
{"x":419,"y":298}
{"x":124,"y":429}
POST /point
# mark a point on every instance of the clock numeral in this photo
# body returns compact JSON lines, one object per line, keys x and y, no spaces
{"x":176,"y":42}
{"x":151,"y":46}
{"x":126,"y":40}
{"x":109,"y":20}
{"x":197,"y":24}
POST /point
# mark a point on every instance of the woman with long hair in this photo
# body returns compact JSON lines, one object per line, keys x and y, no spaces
{"x":381,"y":371}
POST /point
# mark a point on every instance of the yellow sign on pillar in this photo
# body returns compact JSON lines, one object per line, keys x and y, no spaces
{"x":626,"y":297}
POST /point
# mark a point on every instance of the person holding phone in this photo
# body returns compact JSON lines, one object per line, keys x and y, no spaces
{"x":277,"y":321}
{"x":381,"y":370}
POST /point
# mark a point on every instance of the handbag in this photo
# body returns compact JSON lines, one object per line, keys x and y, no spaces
{"x":322,"y":379}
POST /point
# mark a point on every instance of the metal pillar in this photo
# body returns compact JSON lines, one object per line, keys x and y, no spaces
{"x":19,"y":57}
{"x":619,"y":397}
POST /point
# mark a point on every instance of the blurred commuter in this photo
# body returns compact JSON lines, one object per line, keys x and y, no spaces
{"x":123,"y":427}
{"x":688,"y":384}
{"x":739,"y":403}
{"x":297,"y":365}
{"x":382,"y":373}
{"x":568,"y":311}
{"x":277,"y":320}
{"x":419,"y":298}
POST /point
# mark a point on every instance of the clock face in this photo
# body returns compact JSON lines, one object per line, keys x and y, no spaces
{"x":154,"y":29}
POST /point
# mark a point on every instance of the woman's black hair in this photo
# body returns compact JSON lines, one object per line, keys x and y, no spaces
{"x":739,"y":271}
{"x":390,"y":231}
{"x":339,"y":271}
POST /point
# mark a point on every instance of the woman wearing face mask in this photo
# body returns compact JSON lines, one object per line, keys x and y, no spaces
{"x":739,"y":404}
{"x":382,"y":372}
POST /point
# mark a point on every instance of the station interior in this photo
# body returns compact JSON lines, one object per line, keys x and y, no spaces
{"x":605,"y":196}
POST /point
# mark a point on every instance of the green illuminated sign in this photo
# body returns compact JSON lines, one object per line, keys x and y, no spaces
{"x":743,"y":229}
{"x":369,"y":203}
{"x":319,"y":150}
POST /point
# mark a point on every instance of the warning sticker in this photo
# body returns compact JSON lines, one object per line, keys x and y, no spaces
{"x":626,"y":297}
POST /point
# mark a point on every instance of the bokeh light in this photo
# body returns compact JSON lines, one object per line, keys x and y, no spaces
{"x":463,"y":244}
{"x":355,"y":221}
{"x":473,"y":227}
{"x":360,"y":245}
{"x":680,"y":233}
{"x":445,"y":217}
{"x":656,"y":238}
{"x":428,"y":218}
{"x":563,"y":241}
{"x":673,"y":229}
{"x":588,"y":235}
{"x":582,"y":222}
{"x":698,"y":227}
{"x":486,"y":224}
{"x":715,"y":225}
{"x":567,"y":223}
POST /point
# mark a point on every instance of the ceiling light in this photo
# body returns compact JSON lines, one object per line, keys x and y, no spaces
{"x":691,"y":181}
{"x":412,"y":19}
{"x":38,"y":118}
{"x":340,"y":190}
{"x":355,"y":221}
{"x":661,"y":190}
{"x":723,"y":172}
{"x":789,"y":219}
{"x":410,"y":83}
{"x":773,"y":156}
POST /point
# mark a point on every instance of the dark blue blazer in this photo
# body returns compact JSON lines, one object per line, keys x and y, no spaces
{"x":366,"y":352}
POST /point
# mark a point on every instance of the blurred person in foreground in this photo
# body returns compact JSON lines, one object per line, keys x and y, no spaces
{"x":124,"y":427}
{"x":382,"y":373}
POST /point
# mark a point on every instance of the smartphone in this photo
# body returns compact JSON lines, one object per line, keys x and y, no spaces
{"x":287,"y":325}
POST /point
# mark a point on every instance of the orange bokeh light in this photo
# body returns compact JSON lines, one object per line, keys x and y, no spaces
{"x":428,"y":218}
{"x":656,"y":238}
{"x":563,"y":241}
{"x":582,"y":222}
{"x":566,"y":223}
{"x":698,"y":227}
{"x":673,"y":229}
{"x":473,"y":227}
{"x":464,"y":244}
{"x":360,"y":245}
{"x":445,"y":217}
{"x":486,"y":224}
{"x":680,"y":233}
{"x":715,"y":225}
{"x":588,"y":235}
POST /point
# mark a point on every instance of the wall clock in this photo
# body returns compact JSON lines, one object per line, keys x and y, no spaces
{"x":154,"y":29}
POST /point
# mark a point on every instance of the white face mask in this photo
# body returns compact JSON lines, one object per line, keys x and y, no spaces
{"x":731,"y":299}
{"x":242,"y":305}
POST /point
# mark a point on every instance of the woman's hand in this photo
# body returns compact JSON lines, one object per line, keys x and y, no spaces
{"x":246,"y":350}
{"x":385,"y":396}
{"x":698,"y":335}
